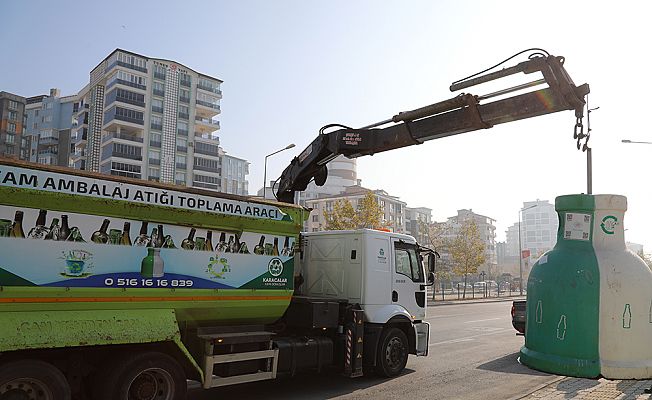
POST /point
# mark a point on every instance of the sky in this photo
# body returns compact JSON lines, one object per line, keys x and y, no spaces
{"x":290,"y":67}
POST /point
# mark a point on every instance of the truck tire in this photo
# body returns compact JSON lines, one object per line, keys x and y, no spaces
{"x":392,"y":353}
{"x":143,"y":376}
{"x":32,"y":379}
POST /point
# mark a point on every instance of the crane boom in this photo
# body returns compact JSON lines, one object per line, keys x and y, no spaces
{"x":460,"y":114}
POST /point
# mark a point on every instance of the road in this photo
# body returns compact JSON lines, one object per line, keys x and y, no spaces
{"x":473,"y":355}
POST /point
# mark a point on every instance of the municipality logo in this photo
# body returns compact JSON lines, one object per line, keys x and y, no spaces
{"x":608,"y":224}
{"x":275,"y":267}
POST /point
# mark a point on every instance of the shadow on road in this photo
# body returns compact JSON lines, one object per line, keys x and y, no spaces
{"x":509,"y":364}
{"x":304,"y":386}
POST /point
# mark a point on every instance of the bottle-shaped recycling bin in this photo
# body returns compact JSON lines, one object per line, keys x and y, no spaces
{"x":589,"y":302}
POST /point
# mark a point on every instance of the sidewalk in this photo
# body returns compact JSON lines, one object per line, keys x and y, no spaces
{"x":452,"y":299}
{"x":589,"y":389}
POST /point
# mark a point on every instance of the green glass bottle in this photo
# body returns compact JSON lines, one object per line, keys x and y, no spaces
{"x":64,"y":231}
{"x":100,"y":236}
{"x":152,"y":265}
{"x":260,"y":247}
{"x":189,"y":242}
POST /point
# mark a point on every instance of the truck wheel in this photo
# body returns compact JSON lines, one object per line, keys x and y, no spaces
{"x":392,"y":353}
{"x":143,"y":376}
{"x":32,"y":380}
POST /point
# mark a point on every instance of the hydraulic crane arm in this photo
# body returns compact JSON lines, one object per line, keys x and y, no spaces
{"x":460,"y":114}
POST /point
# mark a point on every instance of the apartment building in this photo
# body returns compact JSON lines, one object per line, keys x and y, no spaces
{"x":155,"y":119}
{"x":393,"y":208}
{"x":13,"y":142}
{"x":486,"y":229}
{"x":417,"y":220}
{"x":538,"y":234}
{"x":49,"y":124}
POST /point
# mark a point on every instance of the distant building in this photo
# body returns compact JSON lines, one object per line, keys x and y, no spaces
{"x":635,"y":247}
{"x":417,"y":220}
{"x":49,"y":123}
{"x":13,"y":141}
{"x":153,"y":119}
{"x":538,"y":232}
{"x":486,"y":229}
{"x":393,"y":208}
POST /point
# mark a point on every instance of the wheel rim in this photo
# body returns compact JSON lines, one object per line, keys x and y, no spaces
{"x":25,"y":389}
{"x":394,"y":353}
{"x":152,"y":384}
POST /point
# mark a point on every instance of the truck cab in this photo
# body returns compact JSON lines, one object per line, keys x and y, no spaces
{"x":382,"y":272}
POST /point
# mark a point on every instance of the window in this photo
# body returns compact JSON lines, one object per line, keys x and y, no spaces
{"x":181,"y":160}
{"x":180,"y":177}
{"x":157,"y":105}
{"x":181,"y":142}
{"x":156,"y":122}
{"x":407,"y":262}
{"x":48,"y":118}
{"x":154,"y":173}
{"x":13,"y":115}
{"x":184,"y":94}
{"x":315,"y":218}
{"x":184,"y":111}
{"x":13,"y":105}
{"x":11,"y":127}
{"x":10,"y":138}
{"x":182,"y":127}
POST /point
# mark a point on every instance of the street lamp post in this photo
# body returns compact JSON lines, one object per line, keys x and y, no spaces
{"x":520,"y":251}
{"x":289,"y":146}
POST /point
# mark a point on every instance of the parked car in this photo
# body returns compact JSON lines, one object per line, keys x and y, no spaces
{"x":519,"y":316}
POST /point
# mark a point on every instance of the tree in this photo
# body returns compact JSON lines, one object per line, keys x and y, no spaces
{"x":467,"y":251}
{"x":370,"y":214}
{"x":344,"y":216}
{"x":436,"y":234}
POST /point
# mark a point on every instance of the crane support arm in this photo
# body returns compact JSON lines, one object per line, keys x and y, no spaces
{"x":460,"y":114}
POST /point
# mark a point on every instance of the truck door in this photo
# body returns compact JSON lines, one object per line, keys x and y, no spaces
{"x":408,"y":284}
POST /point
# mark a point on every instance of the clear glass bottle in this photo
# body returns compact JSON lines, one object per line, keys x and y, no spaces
{"x":142,"y":239}
{"x":208,"y":246}
{"x":152,"y":265}
{"x":275,"y":248}
{"x":221,"y":245}
{"x":17,"y":227}
{"x":230,"y":245}
{"x":53,"y":233}
{"x":287,"y":250}
{"x":125,"y":240}
{"x":39,"y":231}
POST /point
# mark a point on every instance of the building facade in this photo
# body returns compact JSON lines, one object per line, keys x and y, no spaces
{"x":417,"y":220}
{"x":153,"y":119}
{"x":486,"y":229}
{"x":49,"y":124}
{"x":538,"y":234}
{"x":13,"y":141}
{"x":393,"y":208}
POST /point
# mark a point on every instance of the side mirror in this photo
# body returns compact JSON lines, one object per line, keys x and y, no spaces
{"x":431,"y":262}
{"x":431,"y":278}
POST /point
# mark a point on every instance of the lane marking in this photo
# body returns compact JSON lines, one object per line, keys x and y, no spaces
{"x":483,"y":320}
{"x":468,"y":338}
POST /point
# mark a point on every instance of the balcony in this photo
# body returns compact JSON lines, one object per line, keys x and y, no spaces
{"x":126,"y":65}
{"x":206,"y":125}
{"x":207,"y":151}
{"x":128,"y":120}
{"x":185,"y":82}
{"x":185,"y":100}
{"x":125,"y":83}
{"x":48,"y":152}
{"x":110,"y":152}
{"x":156,"y":127}
{"x":157,"y":109}
{"x":205,"y":109}
{"x":182,"y":149}
{"x":154,"y":161}
{"x":159,"y":75}
{"x":78,"y":154}
{"x":212,"y":89}
{"x":155,"y":143}
{"x":47,"y":140}
{"x":182,"y":132}
{"x":122,"y":136}
{"x":158,"y":92}
{"x":184,"y":115}
{"x":208,"y":137}
{"x":181,"y":166}
{"x":215,"y":170}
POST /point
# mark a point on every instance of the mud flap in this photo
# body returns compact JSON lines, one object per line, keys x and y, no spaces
{"x":422,"y":330}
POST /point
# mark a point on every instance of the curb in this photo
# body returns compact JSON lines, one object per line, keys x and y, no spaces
{"x":471,"y":301}
{"x":536,"y":389}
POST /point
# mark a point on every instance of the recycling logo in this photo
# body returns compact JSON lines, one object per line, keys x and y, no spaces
{"x":608,"y":224}
{"x":275,"y":267}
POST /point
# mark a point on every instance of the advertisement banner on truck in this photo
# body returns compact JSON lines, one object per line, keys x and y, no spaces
{"x":51,"y":248}
{"x":18,"y":177}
